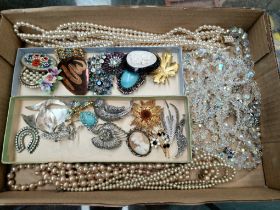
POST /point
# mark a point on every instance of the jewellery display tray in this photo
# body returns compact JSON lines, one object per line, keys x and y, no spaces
{"x":261,"y":183}
{"x":81,"y":149}
{"x":174,"y":85}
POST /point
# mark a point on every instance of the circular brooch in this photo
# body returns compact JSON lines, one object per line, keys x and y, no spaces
{"x":96,"y":62}
{"x":30,"y":78}
{"x":113,"y":63}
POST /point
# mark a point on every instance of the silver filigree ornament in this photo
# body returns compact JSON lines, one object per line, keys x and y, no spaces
{"x":51,"y":119}
{"x":108,"y":112}
{"x":61,"y":132}
{"x":225,"y":112}
{"x":108,"y":136}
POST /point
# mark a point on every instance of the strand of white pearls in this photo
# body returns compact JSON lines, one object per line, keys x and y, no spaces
{"x":204,"y":171}
{"x":82,"y":34}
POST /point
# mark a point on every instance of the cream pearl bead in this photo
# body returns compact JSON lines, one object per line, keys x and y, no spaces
{"x":73,"y":30}
{"x":172,"y":176}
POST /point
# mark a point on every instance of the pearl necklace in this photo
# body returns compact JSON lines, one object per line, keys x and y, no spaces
{"x":83,"y":34}
{"x":204,"y":171}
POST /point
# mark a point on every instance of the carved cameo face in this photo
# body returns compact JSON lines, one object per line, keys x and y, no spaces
{"x":142,"y":61}
{"x":139,"y":143}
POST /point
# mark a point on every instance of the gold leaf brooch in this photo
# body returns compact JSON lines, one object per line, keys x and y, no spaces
{"x":166,"y":69}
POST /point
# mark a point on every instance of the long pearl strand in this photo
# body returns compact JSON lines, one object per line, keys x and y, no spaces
{"x":83,"y":34}
{"x":204,"y":171}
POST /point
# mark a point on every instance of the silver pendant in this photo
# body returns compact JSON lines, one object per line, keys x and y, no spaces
{"x":108,"y":112}
{"x":108,"y":136}
{"x":182,"y":141}
{"x":22,"y":134}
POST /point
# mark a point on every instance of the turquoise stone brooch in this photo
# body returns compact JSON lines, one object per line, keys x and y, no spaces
{"x":128,"y":81}
{"x":88,"y":119}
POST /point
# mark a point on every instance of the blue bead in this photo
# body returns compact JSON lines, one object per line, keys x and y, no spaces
{"x":98,"y":82}
{"x":129,"y":79}
{"x":88,"y":119}
{"x":250,"y":75}
{"x":221,"y":66}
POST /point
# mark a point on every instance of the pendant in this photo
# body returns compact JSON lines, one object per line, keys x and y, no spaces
{"x":142,"y":62}
{"x":128,"y":81}
{"x":22,"y":134}
{"x":38,"y":61}
{"x":139,"y":143}
{"x":108,"y":136}
{"x":75,"y":75}
{"x":108,"y":112}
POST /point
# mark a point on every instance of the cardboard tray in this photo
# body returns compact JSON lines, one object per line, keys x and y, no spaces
{"x":252,"y":186}
{"x":174,"y":86}
{"x":81,"y":149}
